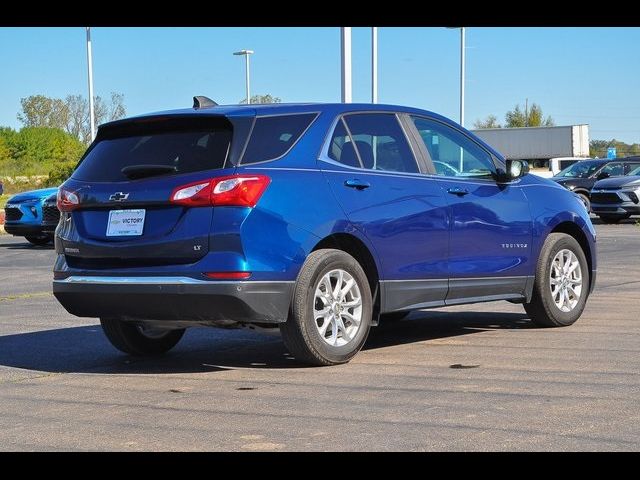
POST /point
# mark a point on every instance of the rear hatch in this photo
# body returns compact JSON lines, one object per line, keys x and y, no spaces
{"x":124,"y":217}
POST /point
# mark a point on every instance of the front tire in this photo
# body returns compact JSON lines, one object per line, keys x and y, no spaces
{"x":39,"y":240}
{"x":561,"y":284}
{"x":330,"y":314}
{"x":135,"y":339}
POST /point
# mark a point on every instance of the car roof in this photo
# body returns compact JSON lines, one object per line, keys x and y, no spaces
{"x":282,"y":108}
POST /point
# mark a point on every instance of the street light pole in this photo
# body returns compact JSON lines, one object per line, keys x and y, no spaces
{"x":92,"y":115}
{"x":462,"y":62}
{"x":246,"y":54}
{"x":345,"y":44}
{"x":374,"y":64}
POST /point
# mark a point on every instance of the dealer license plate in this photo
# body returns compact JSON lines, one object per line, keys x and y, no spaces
{"x":125,"y":222}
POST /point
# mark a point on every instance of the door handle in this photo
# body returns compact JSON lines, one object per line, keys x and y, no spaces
{"x":357,"y":184}
{"x":461,"y":192}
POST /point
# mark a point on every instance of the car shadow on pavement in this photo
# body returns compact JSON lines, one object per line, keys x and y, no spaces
{"x":596,"y":221}
{"x":423,"y":326}
{"x":26,"y":246}
{"x":86,"y":350}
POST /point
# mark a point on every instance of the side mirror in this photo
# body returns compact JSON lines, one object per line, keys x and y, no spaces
{"x":602,"y":175}
{"x":514,"y":169}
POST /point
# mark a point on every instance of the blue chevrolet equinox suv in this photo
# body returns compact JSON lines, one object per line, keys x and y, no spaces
{"x":320,"y":219}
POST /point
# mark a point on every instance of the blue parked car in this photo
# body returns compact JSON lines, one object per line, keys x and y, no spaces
{"x":320,"y":219}
{"x":33,"y":215}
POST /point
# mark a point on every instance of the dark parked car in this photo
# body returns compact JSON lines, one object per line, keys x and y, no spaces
{"x":580,"y":177}
{"x":319,"y":219}
{"x":614,"y":199}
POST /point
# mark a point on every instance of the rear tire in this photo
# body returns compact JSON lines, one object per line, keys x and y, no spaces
{"x":129,"y":337}
{"x":553,"y":303}
{"x":39,"y":240}
{"x":610,"y":219}
{"x":336,"y":336}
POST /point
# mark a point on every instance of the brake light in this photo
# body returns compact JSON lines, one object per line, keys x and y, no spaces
{"x":233,"y":190}
{"x":66,"y":200}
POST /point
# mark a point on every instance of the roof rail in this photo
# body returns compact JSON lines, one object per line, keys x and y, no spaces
{"x":201,"y":101}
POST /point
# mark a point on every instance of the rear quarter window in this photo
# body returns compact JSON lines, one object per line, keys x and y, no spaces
{"x":273,"y":136}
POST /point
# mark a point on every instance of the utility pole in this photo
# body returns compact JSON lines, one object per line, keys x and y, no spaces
{"x":526,"y":112}
{"x":345,"y":56}
{"x":92,"y":114}
{"x":374,"y":64}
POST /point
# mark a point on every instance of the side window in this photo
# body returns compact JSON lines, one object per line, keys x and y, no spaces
{"x":613,"y":169}
{"x":380,"y":142}
{"x":273,"y":136}
{"x":452,"y":153}
{"x":629,"y":167}
{"x":341,"y":147}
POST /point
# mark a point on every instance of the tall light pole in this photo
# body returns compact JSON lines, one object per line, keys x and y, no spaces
{"x":374,"y":64}
{"x":345,"y":57}
{"x":246,"y":54}
{"x":92,"y":115}
{"x":462,"y":61}
{"x":462,"y":48}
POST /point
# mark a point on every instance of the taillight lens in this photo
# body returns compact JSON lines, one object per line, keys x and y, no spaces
{"x":193,"y":195}
{"x":66,"y":200}
{"x":233,"y":190}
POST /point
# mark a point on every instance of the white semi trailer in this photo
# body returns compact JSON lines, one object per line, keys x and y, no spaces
{"x":538,"y":144}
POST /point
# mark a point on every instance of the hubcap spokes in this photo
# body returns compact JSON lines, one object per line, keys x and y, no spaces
{"x":565,"y":280}
{"x":337,"y":308}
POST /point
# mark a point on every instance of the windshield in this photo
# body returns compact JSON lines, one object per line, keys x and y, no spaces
{"x":582,"y":169}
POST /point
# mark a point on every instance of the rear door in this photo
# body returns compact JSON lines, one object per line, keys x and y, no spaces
{"x":373,"y":173}
{"x":124,"y":184}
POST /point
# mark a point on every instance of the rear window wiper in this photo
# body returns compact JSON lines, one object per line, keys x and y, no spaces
{"x":141,"y":171}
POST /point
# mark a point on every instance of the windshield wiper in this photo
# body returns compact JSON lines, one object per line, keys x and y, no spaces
{"x":134,"y":172}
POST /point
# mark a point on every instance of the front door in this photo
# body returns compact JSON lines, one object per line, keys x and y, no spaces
{"x":490,"y":233}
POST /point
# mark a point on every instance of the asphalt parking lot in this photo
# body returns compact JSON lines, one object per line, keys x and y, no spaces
{"x":476,"y":377}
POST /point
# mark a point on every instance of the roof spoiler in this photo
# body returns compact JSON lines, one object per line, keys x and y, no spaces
{"x":201,"y":102}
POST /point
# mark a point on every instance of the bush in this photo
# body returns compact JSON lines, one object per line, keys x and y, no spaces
{"x":36,"y":150}
{"x":60,"y":172}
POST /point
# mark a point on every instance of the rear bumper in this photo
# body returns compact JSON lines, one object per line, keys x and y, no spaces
{"x":23,"y":230}
{"x":174,"y":298}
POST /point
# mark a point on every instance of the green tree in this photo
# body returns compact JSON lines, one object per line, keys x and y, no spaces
{"x":41,"y":111}
{"x":262,"y":99}
{"x":490,"y":122}
{"x":35,"y":150}
{"x":529,"y":117}
{"x":598,"y":148}
{"x":70,"y":114}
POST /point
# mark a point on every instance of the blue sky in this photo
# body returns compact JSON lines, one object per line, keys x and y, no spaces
{"x":577,"y":75}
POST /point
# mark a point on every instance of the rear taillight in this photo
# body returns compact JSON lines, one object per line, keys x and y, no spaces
{"x":67,"y":200}
{"x":233,"y":190}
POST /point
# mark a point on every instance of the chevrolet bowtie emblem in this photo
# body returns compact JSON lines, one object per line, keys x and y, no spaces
{"x":119,"y":196}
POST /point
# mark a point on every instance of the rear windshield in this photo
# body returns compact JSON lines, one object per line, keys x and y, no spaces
{"x":163,"y":148}
{"x":273,"y":136}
